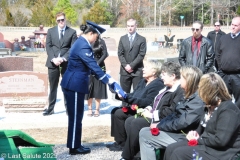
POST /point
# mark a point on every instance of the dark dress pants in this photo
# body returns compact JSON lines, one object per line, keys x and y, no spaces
{"x":118,"y":118}
{"x":133,"y":126}
{"x":53,"y":76}
{"x":126,"y":82}
{"x":75,"y":106}
{"x":232,"y":82}
{"x":181,"y":151}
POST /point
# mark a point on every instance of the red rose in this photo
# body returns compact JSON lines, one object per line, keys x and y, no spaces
{"x":192,"y":142}
{"x":155,"y":131}
{"x":124,"y":109}
{"x":134,"y":107}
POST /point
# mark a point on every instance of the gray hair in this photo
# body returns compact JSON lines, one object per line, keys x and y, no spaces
{"x":155,"y":66}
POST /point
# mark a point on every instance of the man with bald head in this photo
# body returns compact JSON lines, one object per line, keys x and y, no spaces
{"x":228,"y":56}
{"x":197,"y":50}
{"x":215,"y":36}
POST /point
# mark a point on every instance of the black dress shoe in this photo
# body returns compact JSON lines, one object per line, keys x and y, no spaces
{"x":112,"y":144}
{"x":81,"y":150}
{"x":85,"y":147}
{"x":47,"y":113}
{"x":116,"y":147}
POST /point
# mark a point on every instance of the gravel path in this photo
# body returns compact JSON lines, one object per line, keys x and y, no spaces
{"x":98,"y":152}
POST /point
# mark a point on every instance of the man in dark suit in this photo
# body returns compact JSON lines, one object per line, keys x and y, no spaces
{"x":215,"y":36}
{"x":59,"y":40}
{"x":131,"y":52}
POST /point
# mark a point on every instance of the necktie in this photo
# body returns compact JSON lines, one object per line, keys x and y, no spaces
{"x":131,"y":40}
{"x":61,"y":34}
{"x":195,"y":51}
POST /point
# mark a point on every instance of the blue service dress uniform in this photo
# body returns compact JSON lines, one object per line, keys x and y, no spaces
{"x":75,"y":85}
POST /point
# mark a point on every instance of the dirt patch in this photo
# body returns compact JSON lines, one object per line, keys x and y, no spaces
{"x":58,"y":135}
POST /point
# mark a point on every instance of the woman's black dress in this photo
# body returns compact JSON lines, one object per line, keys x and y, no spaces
{"x":97,"y":89}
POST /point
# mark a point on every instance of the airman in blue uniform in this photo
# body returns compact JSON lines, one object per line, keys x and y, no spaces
{"x":75,"y":83}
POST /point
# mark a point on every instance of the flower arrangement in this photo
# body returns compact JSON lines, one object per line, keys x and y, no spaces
{"x":139,"y":111}
{"x":23,"y":48}
{"x":37,"y":41}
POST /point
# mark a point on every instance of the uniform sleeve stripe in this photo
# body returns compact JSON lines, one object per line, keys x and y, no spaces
{"x":102,"y":77}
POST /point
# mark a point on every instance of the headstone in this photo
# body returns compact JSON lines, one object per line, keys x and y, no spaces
{"x":2,"y":45}
{"x":16,"y":64}
{"x":23,"y":91}
{"x":173,"y":59}
{"x":1,"y":37}
{"x":24,"y":44}
{"x":7,"y":44}
{"x":155,"y":59}
{"x":16,"y":45}
{"x":5,"y":52}
{"x":152,"y":46}
{"x":40,"y":37}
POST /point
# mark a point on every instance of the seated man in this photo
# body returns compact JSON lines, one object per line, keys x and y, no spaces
{"x":142,"y":96}
{"x":186,"y":117}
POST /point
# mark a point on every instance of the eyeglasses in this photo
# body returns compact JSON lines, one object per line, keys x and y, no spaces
{"x":197,"y":29}
{"x":216,"y":25}
{"x":62,"y":20}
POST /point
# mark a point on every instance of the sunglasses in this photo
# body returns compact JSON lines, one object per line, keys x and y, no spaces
{"x":197,"y":29}
{"x":216,"y":25}
{"x":62,"y":20}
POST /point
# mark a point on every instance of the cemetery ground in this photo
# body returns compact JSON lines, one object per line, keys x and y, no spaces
{"x":53,"y":129}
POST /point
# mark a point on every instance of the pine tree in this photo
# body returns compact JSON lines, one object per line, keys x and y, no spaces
{"x":100,"y":14}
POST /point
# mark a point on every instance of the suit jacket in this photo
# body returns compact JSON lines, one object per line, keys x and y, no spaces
{"x":81,"y":63}
{"x":133,"y":56}
{"x":205,"y":58}
{"x":54,"y":46}
{"x":215,"y":37}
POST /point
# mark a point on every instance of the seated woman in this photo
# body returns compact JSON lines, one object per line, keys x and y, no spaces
{"x":164,"y":104}
{"x":218,"y":135}
{"x":142,"y":96}
{"x":186,"y":117}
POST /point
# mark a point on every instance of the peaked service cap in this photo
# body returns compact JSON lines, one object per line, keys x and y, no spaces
{"x":99,"y":29}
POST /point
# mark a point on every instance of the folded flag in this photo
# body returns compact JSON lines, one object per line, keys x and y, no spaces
{"x":116,"y":88}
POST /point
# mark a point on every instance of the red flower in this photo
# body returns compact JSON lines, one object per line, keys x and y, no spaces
{"x":124,"y":109}
{"x":134,"y":107}
{"x":155,"y":131}
{"x":192,"y":142}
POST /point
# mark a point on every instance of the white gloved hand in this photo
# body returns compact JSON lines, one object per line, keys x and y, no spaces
{"x":111,"y":80}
